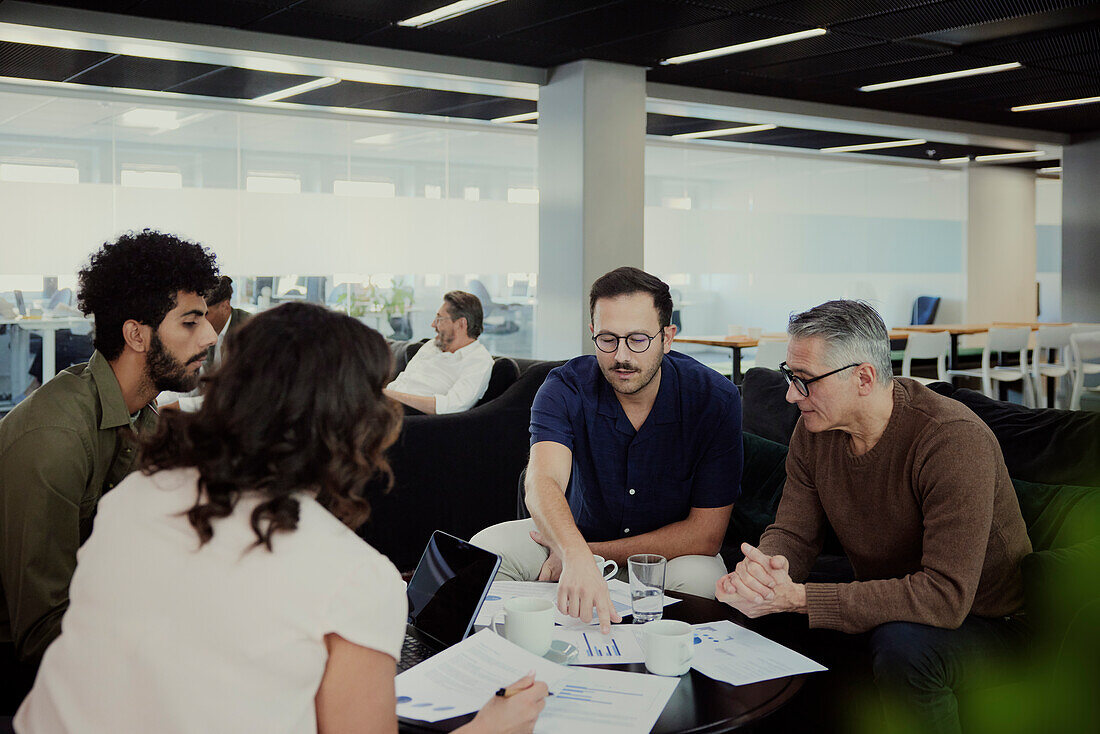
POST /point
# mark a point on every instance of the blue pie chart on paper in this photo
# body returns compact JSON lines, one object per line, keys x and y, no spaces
{"x":492,"y":598}
{"x":403,"y":699}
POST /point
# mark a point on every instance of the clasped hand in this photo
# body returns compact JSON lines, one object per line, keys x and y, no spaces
{"x":580,"y":587}
{"x":760,"y":584}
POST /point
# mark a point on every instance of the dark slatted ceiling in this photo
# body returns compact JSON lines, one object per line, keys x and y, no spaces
{"x":1058,"y":41}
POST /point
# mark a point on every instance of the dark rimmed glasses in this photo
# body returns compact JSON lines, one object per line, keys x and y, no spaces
{"x":636,"y":341}
{"x":803,"y":385}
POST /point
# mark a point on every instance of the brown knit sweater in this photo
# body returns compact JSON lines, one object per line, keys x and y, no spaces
{"x":928,"y":518}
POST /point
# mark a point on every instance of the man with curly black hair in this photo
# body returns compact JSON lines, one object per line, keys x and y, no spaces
{"x":71,"y":441}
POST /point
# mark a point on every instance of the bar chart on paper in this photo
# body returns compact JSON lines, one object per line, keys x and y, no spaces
{"x":604,"y":701}
{"x":619,"y":646}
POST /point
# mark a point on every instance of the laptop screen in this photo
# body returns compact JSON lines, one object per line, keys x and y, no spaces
{"x":448,"y":587}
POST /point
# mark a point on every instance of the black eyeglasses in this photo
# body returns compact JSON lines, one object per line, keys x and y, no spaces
{"x":636,"y":341}
{"x":803,"y":386}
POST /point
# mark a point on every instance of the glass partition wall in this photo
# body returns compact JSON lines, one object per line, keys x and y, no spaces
{"x":379,"y":217}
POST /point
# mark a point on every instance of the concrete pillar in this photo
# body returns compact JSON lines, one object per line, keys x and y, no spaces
{"x":591,"y":193}
{"x":1081,"y":231}
{"x":1000,"y":245}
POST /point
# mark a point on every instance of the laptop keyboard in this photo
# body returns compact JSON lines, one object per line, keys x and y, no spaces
{"x":413,"y":651}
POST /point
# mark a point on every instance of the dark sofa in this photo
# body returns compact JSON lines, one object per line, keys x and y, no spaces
{"x":1053,"y":457}
{"x":455,"y":473}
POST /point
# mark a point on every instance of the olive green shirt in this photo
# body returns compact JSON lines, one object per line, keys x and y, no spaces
{"x":60,"y":450}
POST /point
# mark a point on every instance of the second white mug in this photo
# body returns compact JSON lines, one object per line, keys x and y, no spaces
{"x":528,"y":622}
{"x":668,"y":645}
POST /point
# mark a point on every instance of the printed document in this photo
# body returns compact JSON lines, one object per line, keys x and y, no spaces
{"x":621,"y":645}
{"x":462,"y":678}
{"x":730,"y":653}
{"x":502,"y":591}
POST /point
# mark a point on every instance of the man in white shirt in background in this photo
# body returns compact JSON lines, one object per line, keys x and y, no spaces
{"x":450,"y":373}
{"x":225,"y":319}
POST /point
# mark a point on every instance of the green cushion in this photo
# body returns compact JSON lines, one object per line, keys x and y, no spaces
{"x":1063,"y":523}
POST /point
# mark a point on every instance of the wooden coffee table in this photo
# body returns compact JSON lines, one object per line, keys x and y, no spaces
{"x":699,"y":705}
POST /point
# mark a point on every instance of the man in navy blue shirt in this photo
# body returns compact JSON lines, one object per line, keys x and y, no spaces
{"x":646,"y":445}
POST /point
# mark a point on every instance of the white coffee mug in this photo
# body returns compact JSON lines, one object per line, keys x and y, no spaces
{"x":602,"y":564}
{"x":528,"y":622}
{"x":668,"y":646}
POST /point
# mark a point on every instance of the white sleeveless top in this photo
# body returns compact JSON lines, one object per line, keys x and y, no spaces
{"x":164,"y":636}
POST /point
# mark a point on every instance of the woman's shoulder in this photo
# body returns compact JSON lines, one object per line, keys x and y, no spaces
{"x":325,"y":533}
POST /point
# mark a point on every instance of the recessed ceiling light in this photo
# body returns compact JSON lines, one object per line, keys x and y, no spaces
{"x":1054,"y":105}
{"x":144,"y":117}
{"x":749,"y":46}
{"x":446,"y":13}
{"x":325,"y":81}
{"x":941,"y":77}
{"x":523,"y":117}
{"x":1008,"y":156}
{"x":960,"y":159}
{"x":725,"y":131}
{"x":1051,"y":169}
{"x":873,"y":146}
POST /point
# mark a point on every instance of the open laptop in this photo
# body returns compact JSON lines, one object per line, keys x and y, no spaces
{"x":445,"y":593}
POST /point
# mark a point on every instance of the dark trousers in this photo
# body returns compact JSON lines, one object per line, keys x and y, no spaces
{"x":919,"y":669}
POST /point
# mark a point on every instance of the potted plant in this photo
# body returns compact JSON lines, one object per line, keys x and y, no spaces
{"x":396,"y":305}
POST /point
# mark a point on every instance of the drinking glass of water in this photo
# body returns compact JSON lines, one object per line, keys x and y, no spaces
{"x":647,"y":586}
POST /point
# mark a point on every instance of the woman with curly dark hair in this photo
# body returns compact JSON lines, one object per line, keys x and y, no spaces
{"x":223,"y":588}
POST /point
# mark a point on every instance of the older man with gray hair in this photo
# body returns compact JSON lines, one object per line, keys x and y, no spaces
{"x":916,"y":489}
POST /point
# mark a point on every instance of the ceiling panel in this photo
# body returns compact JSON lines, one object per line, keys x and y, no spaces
{"x":658,"y":124}
{"x":868,"y":57}
{"x":24,"y":61}
{"x":652,"y":48}
{"x":232,"y":13}
{"x":913,"y":69}
{"x":949,"y":15}
{"x":832,"y":12}
{"x":134,"y":72}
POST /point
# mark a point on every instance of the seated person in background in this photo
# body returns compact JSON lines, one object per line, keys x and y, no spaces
{"x":647,"y":442}
{"x":450,"y":373}
{"x":225,"y":319}
{"x":223,"y":589}
{"x":917,"y":491}
{"x":70,"y":442}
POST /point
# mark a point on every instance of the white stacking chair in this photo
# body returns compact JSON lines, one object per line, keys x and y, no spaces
{"x":1049,"y":338}
{"x":771,"y":353}
{"x":1085,"y":348}
{"x":1003,"y":339}
{"x":927,"y":345}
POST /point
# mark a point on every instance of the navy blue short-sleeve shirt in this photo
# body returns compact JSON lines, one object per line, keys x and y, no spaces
{"x":626,"y":482}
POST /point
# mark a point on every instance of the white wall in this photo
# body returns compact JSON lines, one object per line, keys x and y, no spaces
{"x":768,"y":234}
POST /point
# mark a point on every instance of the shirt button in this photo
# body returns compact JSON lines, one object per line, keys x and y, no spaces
{"x":626,"y":530}
{"x":632,"y":491}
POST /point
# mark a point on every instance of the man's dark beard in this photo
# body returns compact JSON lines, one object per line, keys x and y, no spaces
{"x":626,"y":366}
{"x":168,"y":373}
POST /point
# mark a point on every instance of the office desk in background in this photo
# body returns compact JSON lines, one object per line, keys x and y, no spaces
{"x":20,"y":330}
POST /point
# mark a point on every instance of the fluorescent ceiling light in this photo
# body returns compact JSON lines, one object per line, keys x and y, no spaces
{"x":1008,"y":156}
{"x":1051,"y":169}
{"x":446,"y":13}
{"x":726,"y":131}
{"x":874,"y":146}
{"x":961,"y":159}
{"x":382,"y":139}
{"x":941,"y":77}
{"x":1053,"y":105}
{"x":143,"y":117}
{"x":749,"y":46}
{"x":523,"y":117}
{"x":24,"y":173}
{"x":325,"y":81}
